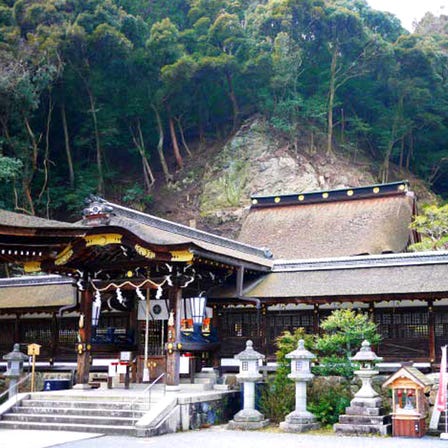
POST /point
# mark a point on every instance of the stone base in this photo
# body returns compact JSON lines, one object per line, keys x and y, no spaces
{"x":299,"y":422}
{"x":299,"y":427}
{"x":82,"y":386}
{"x":364,"y":416}
{"x":360,"y":430}
{"x":172,"y":387}
{"x":247,"y":426}
{"x":248,"y":419}
{"x":248,"y":415}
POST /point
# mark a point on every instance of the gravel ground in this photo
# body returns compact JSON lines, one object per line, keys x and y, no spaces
{"x":220,"y":437}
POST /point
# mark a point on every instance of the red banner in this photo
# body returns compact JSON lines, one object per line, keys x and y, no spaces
{"x":441,"y":393}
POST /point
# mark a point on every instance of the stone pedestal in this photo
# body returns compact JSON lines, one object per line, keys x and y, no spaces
{"x":299,"y":422}
{"x":248,"y":419}
{"x":364,"y":416}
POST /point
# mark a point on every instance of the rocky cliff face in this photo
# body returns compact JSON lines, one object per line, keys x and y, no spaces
{"x":214,"y":190}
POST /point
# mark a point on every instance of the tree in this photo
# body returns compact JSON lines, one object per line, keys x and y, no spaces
{"x":432,"y":225}
{"x":344,"y":331}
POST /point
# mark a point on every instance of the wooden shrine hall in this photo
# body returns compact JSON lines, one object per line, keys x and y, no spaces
{"x":118,"y":255}
{"x":331,"y":249}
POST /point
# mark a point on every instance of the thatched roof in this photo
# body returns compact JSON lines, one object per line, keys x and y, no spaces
{"x":367,"y":220}
{"x":20,"y":220}
{"x":39,"y":292}
{"x":379,"y":277}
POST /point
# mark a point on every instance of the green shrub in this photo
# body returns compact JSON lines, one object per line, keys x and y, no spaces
{"x":333,"y":366}
{"x":278,"y":398}
{"x":327,"y":398}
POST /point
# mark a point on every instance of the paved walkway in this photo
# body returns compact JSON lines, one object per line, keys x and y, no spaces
{"x":217,"y":436}
{"x":11,"y":438}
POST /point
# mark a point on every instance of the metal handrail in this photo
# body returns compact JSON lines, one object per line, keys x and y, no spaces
{"x":15,"y":386}
{"x":146,"y":390}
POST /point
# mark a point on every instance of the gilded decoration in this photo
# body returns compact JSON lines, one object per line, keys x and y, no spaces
{"x":103,"y":239}
{"x":64,"y":256}
{"x":147,"y":253}
{"x":181,"y":255}
{"x":31,"y":266}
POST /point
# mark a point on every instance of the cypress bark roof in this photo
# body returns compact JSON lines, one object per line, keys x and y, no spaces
{"x":163,"y":232}
{"x":48,"y":239}
{"x":372,"y":277}
{"x":22,"y":292}
{"x":21,"y":220}
{"x":367,"y":220}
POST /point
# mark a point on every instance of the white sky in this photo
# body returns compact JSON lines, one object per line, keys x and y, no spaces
{"x":409,"y":11}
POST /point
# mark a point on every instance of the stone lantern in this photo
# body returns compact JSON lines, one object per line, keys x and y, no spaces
{"x":367,"y":359}
{"x":15,"y":360}
{"x":249,"y":417}
{"x":365,"y":415}
{"x":300,"y":419}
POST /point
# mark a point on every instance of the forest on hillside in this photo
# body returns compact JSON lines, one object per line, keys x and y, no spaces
{"x":96,"y":92}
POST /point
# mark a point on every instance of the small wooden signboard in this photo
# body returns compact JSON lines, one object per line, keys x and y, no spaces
{"x":34,"y":350}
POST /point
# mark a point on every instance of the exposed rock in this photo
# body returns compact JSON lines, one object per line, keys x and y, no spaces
{"x":256,"y":162}
{"x":215,"y":187}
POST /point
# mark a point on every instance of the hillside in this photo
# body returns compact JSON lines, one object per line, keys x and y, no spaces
{"x":213,"y":191}
{"x":105,"y":97}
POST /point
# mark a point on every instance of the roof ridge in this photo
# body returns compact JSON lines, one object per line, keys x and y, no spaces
{"x":364,"y":261}
{"x":332,"y":195}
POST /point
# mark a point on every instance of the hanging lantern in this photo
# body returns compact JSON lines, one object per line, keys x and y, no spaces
{"x":197,"y":307}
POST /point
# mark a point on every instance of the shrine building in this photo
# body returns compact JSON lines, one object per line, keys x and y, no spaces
{"x":123,"y":280}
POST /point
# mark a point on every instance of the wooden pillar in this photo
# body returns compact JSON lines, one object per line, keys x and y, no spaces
{"x":17,"y":329}
{"x":216,"y":325}
{"x":83,"y":347}
{"x":54,"y":337}
{"x":132,"y":329}
{"x":431,"y":333}
{"x":173,"y":342}
{"x":316,"y":319}
{"x":264,"y":329}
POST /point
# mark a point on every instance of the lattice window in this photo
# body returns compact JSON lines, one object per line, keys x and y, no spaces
{"x":440,"y":317}
{"x":68,"y":331}
{"x":240,"y":324}
{"x":36,"y":331}
{"x":409,"y":325}
{"x":155,"y":331}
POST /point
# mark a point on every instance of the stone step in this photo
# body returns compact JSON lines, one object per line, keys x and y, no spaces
{"x":83,"y":404}
{"x":364,"y":419}
{"x":55,"y":396}
{"x":359,"y":410}
{"x":78,"y":411}
{"x":69,"y":419}
{"x":100,"y":429}
{"x":342,"y":428}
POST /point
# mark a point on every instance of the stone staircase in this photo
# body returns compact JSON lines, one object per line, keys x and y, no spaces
{"x":105,"y":415}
